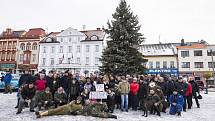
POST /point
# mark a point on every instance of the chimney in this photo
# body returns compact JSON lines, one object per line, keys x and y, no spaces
{"x":182,"y":42}
{"x":98,"y":28}
{"x":84,"y":27}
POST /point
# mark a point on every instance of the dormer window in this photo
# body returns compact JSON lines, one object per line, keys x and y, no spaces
{"x":94,"y":37}
{"x":49,"y":40}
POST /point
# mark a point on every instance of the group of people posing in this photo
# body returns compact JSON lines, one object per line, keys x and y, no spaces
{"x":68,"y":94}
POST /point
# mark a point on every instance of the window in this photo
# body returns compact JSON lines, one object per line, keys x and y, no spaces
{"x":150,"y":64}
{"x":8,"y":56}
{"x":96,"y":61}
{"x":87,"y":60}
{"x":14,"y":45}
{"x":164,"y":64}
{"x":33,"y":57}
{"x":185,"y":65}
{"x":52,"y":49}
{"x":172,"y":65}
{"x":44,"y":49}
{"x":28,"y":46}
{"x":198,"y":64}
{"x":61,"y":49}
{"x":157,"y":64}
{"x":184,"y":53}
{"x":52,"y":61}
{"x":14,"y":56}
{"x":210,"y":53}
{"x":197,"y":52}
{"x":96,"y":48}
{"x":61,"y":40}
{"x":87,"y":48}
{"x":78,"y":60}
{"x":22,"y":46}
{"x":69,"y":60}
{"x":44,"y":61}
{"x":9,"y":45}
{"x":78,"y":48}
{"x":34,"y":46}
{"x":21,"y":57}
{"x":70,"y":39}
{"x":70,"y":49}
{"x":60,"y":60}
{"x":210,"y":65}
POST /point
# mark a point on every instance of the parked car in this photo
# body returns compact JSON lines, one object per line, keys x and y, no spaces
{"x":14,"y":82}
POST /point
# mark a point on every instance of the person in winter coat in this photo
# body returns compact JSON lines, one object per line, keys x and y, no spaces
{"x":110,"y":100}
{"x":60,"y":97}
{"x":189,"y":96}
{"x":124,"y":89}
{"x":64,"y":82}
{"x":143,"y":91}
{"x":170,"y":86}
{"x":176,"y":103}
{"x":49,"y":81}
{"x":25,"y":78}
{"x":74,"y":90}
{"x":88,"y":84}
{"x":45,"y":99}
{"x":41,"y":83}
{"x":84,"y":96}
{"x":7,"y":81}
{"x":134,"y":89}
{"x":56,"y":81}
{"x":182,"y":89}
{"x":154,"y":102}
{"x":27,"y":94}
{"x":195,"y":91}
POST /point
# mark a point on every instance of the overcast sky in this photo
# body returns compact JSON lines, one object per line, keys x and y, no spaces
{"x":173,"y":20}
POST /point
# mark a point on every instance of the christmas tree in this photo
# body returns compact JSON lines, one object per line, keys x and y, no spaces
{"x":121,"y":56}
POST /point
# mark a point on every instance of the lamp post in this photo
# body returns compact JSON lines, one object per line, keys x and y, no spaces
{"x":213,"y":65}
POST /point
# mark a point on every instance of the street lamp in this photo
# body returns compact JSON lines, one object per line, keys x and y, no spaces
{"x":213,"y":65}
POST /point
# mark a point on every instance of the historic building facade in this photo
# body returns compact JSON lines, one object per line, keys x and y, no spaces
{"x":28,"y":50}
{"x":77,"y":51}
{"x":9,"y":40}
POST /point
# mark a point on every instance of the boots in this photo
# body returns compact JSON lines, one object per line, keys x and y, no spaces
{"x":113,"y":116}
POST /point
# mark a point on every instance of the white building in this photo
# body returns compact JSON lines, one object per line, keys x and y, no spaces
{"x":195,"y":59}
{"x":162,"y":58}
{"x":77,"y":51}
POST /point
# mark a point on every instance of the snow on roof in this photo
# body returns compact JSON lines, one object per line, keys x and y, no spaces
{"x":158,"y":49}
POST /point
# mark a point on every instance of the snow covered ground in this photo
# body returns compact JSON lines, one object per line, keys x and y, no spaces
{"x":205,"y":113}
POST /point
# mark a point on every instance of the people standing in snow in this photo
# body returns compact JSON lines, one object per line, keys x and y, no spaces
{"x":176,"y":103}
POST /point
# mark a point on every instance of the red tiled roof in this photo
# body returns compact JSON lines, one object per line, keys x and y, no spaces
{"x":35,"y":32}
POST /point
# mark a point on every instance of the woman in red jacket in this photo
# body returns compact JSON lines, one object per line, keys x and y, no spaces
{"x":134,"y":88}
{"x":189,"y":96}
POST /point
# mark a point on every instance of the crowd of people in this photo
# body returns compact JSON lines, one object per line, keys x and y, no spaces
{"x":67,"y":93}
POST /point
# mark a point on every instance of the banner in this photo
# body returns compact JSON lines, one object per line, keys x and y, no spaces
{"x":100,"y":87}
{"x":98,"y":95}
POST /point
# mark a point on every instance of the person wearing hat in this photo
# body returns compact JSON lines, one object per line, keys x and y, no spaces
{"x":176,"y":103}
{"x":27,"y":95}
{"x":45,"y":99}
{"x":73,"y":107}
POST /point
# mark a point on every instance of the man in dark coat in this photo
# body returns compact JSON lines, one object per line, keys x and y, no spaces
{"x":195,"y":91}
{"x":143,"y":91}
{"x":49,"y":81}
{"x":74,"y":90}
{"x":170,"y":86}
{"x":182,"y":86}
{"x":26,"y":78}
{"x":64,"y":82}
{"x":27,"y":94}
